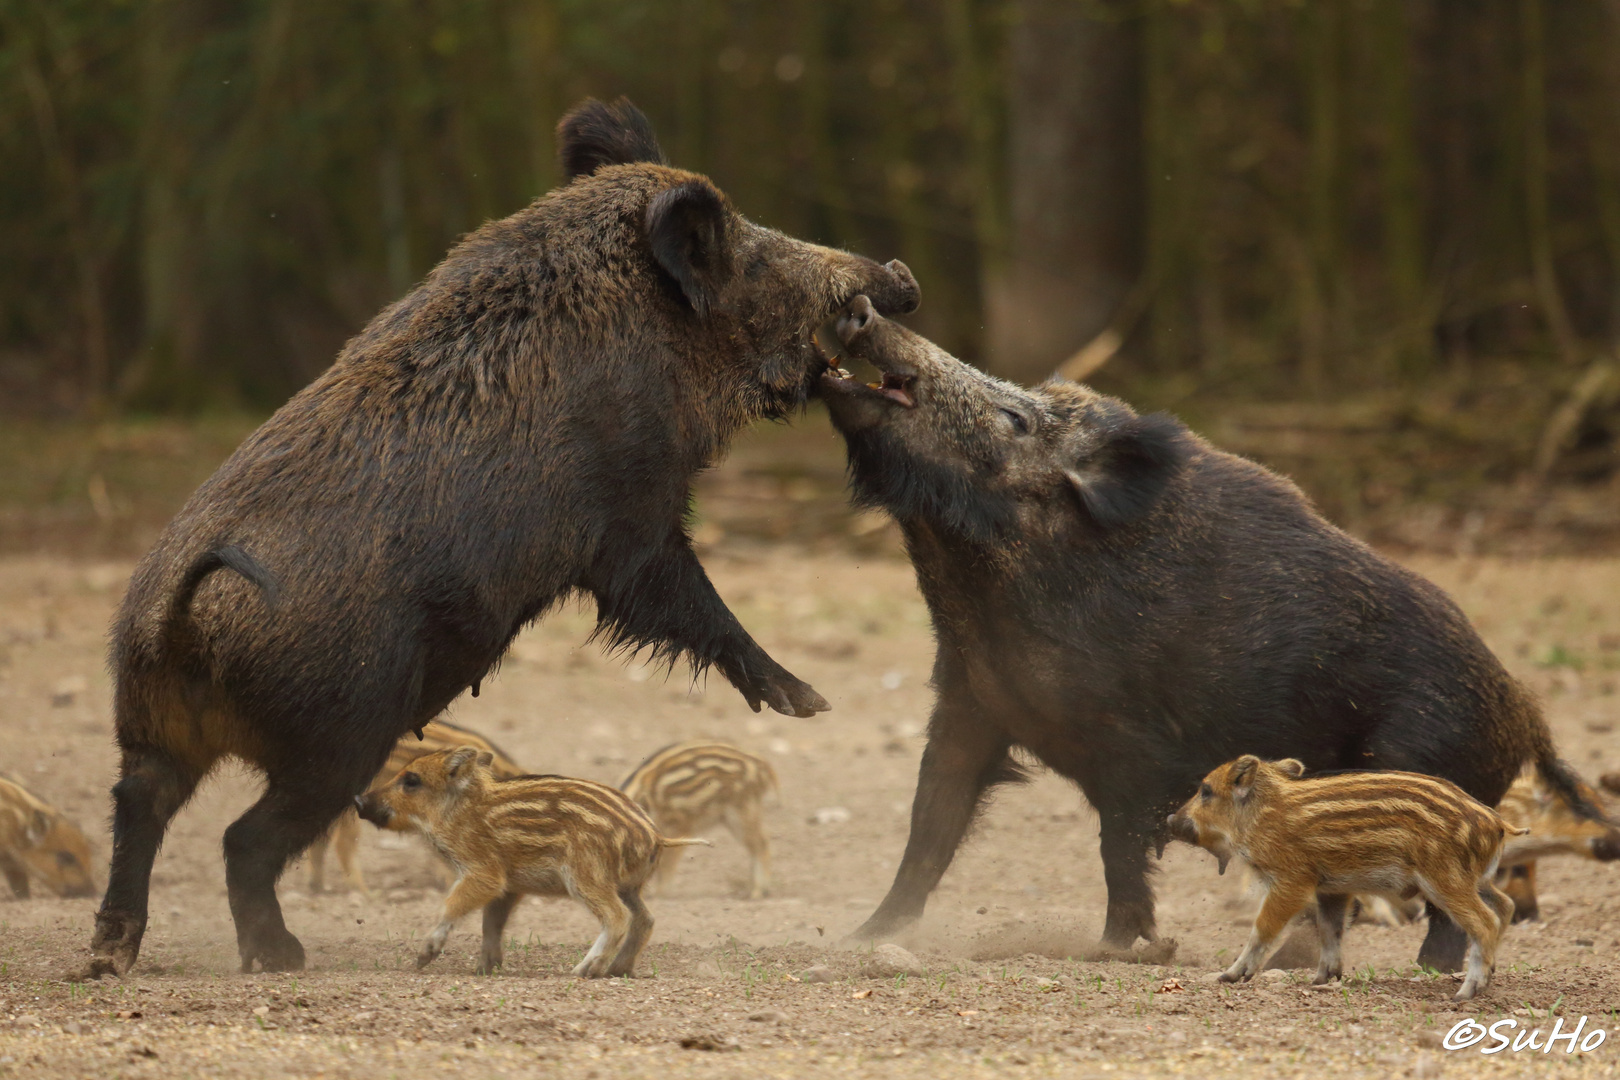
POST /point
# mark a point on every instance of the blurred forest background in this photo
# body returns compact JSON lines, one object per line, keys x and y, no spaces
{"x":1373,"y":242}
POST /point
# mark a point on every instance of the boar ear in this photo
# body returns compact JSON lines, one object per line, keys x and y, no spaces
{"x":1291,"y":767}
{"x":595,"y":133}
{"x":687,"y":227}
{"x":1121,"y":479}
{"x":1242,"y":775}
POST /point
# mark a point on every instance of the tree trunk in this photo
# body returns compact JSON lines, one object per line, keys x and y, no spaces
{"x":1074,"y":173}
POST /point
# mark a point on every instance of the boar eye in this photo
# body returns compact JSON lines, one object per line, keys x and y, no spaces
{"x":1206,"y":792}
{"x":1019,"y":421}
{"x":410,"y":781}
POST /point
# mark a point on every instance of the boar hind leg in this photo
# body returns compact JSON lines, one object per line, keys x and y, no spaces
{"x":496,"y":912}
{"x":1282,"y":903}
{"x":294,"y":811}
{"x":964,"y":758}
{"x":151,"y":788}
{"x":16,"y":876}
{"x":1130,"y":897}
{"x":635,"y":938}
{"x":1330,"y":911}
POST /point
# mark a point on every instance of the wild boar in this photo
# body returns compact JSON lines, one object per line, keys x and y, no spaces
{"x":529,"y":835}
{"x":36,"y":840}
{"x":344,"y":835}
{"x":689,"y":788}
{"x":1134,"y":607}
{"x":1391,"y":834}
{"x":521,"y":427}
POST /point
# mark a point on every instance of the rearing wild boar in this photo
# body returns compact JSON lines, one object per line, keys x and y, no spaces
{"x":1134,"y":607}
{"x":522,"y":426}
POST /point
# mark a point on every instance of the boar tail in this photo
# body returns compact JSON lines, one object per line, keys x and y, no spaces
{"x":221,"y":557}
{"x":1561,"y":780}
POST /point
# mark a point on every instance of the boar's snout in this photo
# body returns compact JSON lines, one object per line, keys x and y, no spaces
{"x":853,"y":324}
{"x":372,"y":809}
{"x":1606,"y":848}
{"x":893,"y":290}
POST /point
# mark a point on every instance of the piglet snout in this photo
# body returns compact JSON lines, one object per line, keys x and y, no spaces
{"x":371,"y":810}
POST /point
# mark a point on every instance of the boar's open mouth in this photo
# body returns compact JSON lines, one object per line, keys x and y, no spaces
{"x":898,"y":386}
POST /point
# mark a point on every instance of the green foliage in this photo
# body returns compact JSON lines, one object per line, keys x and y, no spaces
{"x":200,"y":201}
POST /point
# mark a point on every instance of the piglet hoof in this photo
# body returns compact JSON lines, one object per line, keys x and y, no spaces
{"x":426,"y":957}
{"x":485,"y":967}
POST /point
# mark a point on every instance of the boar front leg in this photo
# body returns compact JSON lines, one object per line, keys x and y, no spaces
{"x":964,"y":758}
{"x":667,"y":602}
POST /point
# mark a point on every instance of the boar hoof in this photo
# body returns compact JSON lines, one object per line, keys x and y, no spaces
{"x":794,"y":698}
{"x":282,"y":953}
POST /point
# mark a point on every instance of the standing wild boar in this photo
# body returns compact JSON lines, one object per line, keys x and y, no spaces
{"x":1325,"y":838}
{"x":522,"y":426}
{"x":1135,"y":607}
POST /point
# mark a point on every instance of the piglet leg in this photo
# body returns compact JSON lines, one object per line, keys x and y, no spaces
{"x":1282,"y":903}
{"x":472,"y":892}
{"x":1330,"y":911}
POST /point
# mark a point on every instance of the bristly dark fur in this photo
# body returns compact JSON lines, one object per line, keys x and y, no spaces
{"x":927,"y":490}
{"x":597,"y":133}
{"x":1135,"y":607}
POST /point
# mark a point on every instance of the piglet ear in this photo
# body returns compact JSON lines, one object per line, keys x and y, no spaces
{"x":688,"y":228}
{"x":1124,"y":477}
{"x":486,"y":759}
{"x":1292,"y":767}
{"x":456,"y":765}
{"x":39,"y":826}
{"x":1242,"y":775}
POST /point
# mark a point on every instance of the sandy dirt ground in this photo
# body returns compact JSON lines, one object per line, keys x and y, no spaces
{"x":1005,"y":991}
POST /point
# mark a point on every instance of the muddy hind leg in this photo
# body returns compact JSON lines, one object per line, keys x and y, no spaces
{"x":152,"y":787}
{"x":296,"y":808}
{"x":635,"y":938}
